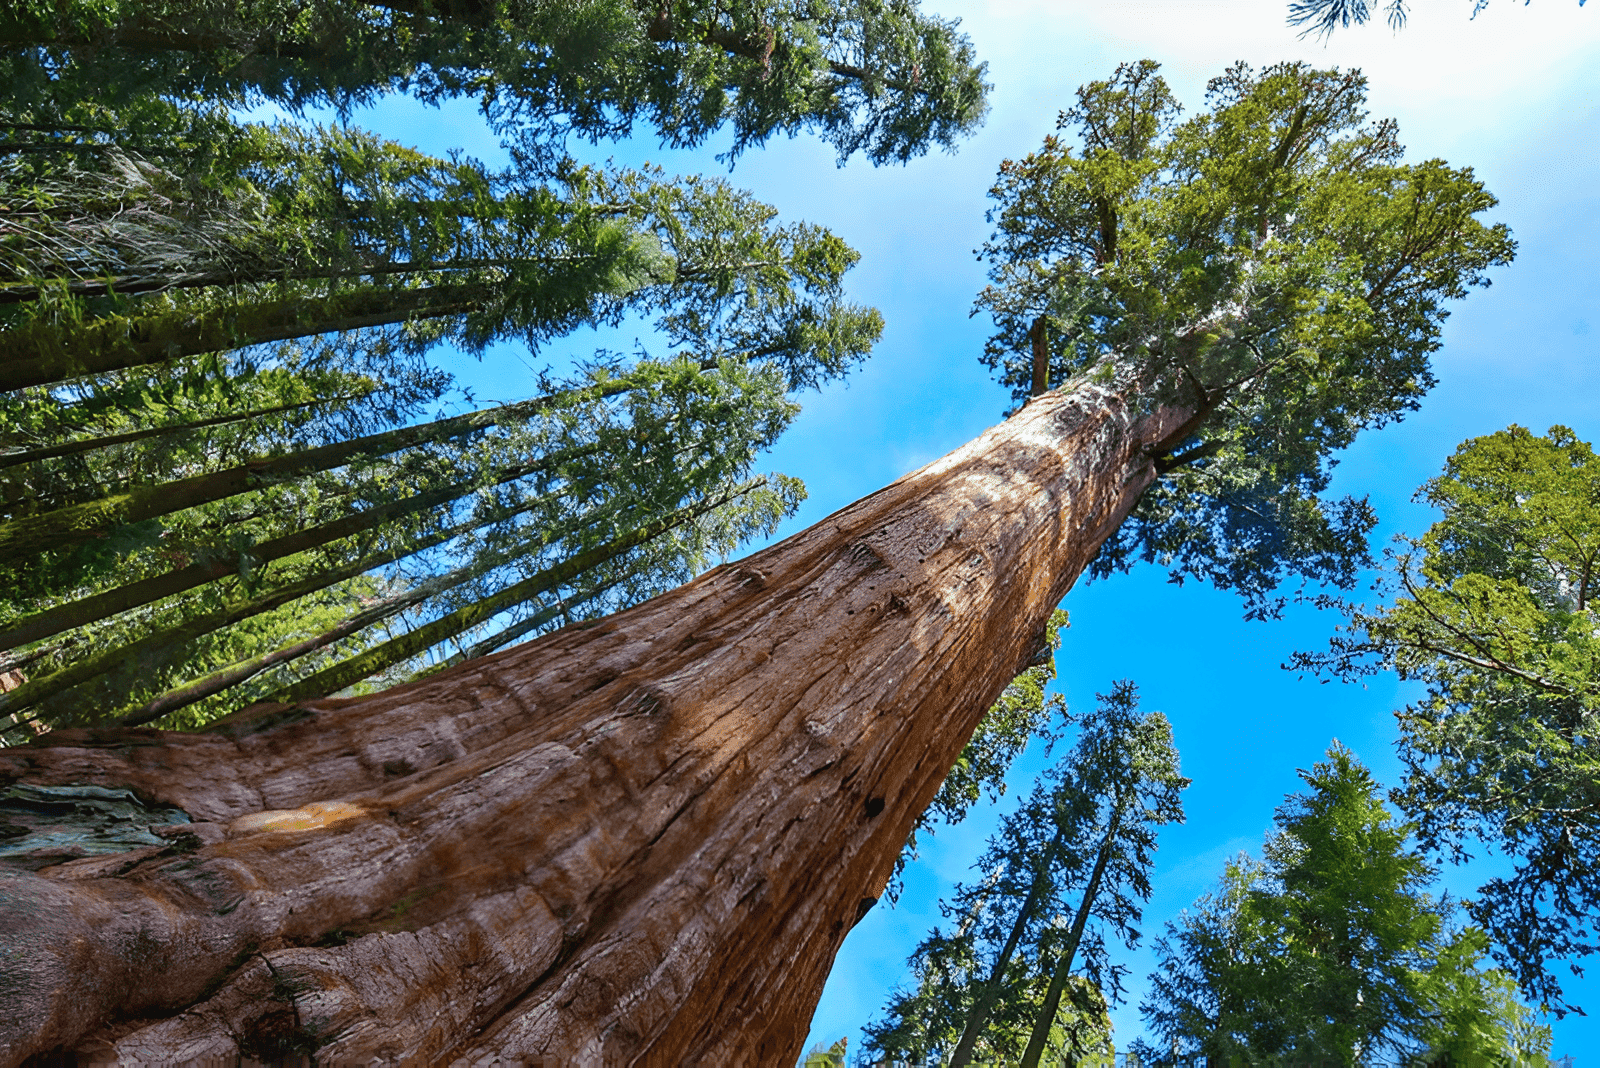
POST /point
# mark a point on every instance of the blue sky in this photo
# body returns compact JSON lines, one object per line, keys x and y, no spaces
{"x":1511,"y":93}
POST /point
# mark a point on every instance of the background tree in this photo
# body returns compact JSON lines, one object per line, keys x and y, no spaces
{"x":1474,"y":1015}
{"x":156,"y":570}
{"x":1495,"y":612}
{"x":1209,"y":996}
{"x":879,"y":78}
{"x":1127,"y":785}
{"x":1087,"y":832}
{"x":826,"y":1056}
{"x":271,"y":233}
{"x":1330,"y":949}
{"x":686,"y":805}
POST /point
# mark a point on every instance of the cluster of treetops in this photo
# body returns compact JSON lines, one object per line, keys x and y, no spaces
{"x":234,"y":470}
{"x":235,"y":467}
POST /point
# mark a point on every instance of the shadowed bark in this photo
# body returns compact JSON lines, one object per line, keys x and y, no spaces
{"x":641,"y":841}
{"x":56,"y":354}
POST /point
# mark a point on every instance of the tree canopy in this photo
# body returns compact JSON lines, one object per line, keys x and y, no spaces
{"x":1270,"y":264}
{"x":1495,"y":613}
{"x":879,"y":78}
{"x":1330,"y":950}
{"x":214,"y":468}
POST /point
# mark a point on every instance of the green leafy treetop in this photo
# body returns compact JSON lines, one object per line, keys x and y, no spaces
{"x":875,"y":77}
{"x":1496,"y":613}
{"x":1475,"y":1016}
{"x":1269,"y":264}
{"x":1349,"y":909}
{"x":1329,"y":950}
{"x":822,"y":1056}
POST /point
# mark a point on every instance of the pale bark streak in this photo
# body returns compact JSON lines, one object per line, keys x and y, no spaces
{"x":642,"y":841}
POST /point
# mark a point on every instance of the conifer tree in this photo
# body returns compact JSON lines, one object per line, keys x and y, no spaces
{"x":271,"y":233}
{"x":1079,"y":850}
{"x":883,"y":79}
{"x":137,"y":276}
{"x":1495,"y":611}
{"x":1330,"y":949}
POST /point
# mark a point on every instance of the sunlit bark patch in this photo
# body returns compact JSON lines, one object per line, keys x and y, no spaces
{"x":312,"y":817}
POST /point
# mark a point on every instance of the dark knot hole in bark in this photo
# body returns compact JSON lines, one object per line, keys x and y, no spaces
{"x":874,"y":806}
{"x":866,"y":557}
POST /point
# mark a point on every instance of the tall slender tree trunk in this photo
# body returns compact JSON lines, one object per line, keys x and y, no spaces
{"x":413,"y":643}
{"x":107,"y":603}
{"x":1046,"y":1017}
{"x":640,"y":841}
{"x":978,"y":1016}
{"x":77,"y":523}
{"x":157,"y":646}
{"x":72,"y":448}
{"x":44,"y":352}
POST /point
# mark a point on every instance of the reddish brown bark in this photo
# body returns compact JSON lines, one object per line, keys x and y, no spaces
{"x":637,"y":842}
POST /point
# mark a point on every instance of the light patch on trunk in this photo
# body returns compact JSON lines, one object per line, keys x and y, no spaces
{"x":312,"y":817}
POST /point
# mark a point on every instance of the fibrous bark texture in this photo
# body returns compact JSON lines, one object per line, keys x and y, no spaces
{"x":638,"y":842}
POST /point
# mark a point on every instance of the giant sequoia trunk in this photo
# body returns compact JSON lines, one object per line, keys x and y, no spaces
{"x":641,"y":841}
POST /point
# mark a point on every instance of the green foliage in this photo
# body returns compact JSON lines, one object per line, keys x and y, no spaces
{"x":1475,"y":1017}
{"x":682,"y":438}
{"x":1348,"y":909}
{"x":926,"y":1021}
{"x":820,"y":1056}
{"x":1325,"y":16}
{"x":279,"y":232}
{"x":218,"y":486}
{"x":1270,"y":264}
{"x":1086,"y":832}
{"x":1495,"y":612}
{"x":1331,"y":949}
{"x":873,"y":77}
{"x":1322,"y":17}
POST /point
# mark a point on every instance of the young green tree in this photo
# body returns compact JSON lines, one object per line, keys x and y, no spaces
{"x":1473,"y":1014}
{"x":1495,"y":611}
{"x":1350,"y":913}
{"x":1216,"y":977}
{"x":1330,"y":950}
{"x":650,"y":836}
{"x":1126,"y":785}
{"x":821,"y":1056}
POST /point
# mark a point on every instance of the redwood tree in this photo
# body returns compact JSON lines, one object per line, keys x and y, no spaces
{"x":644,"y":840}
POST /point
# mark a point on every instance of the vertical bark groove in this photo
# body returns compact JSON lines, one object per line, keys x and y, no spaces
{"x":636,"y":842}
